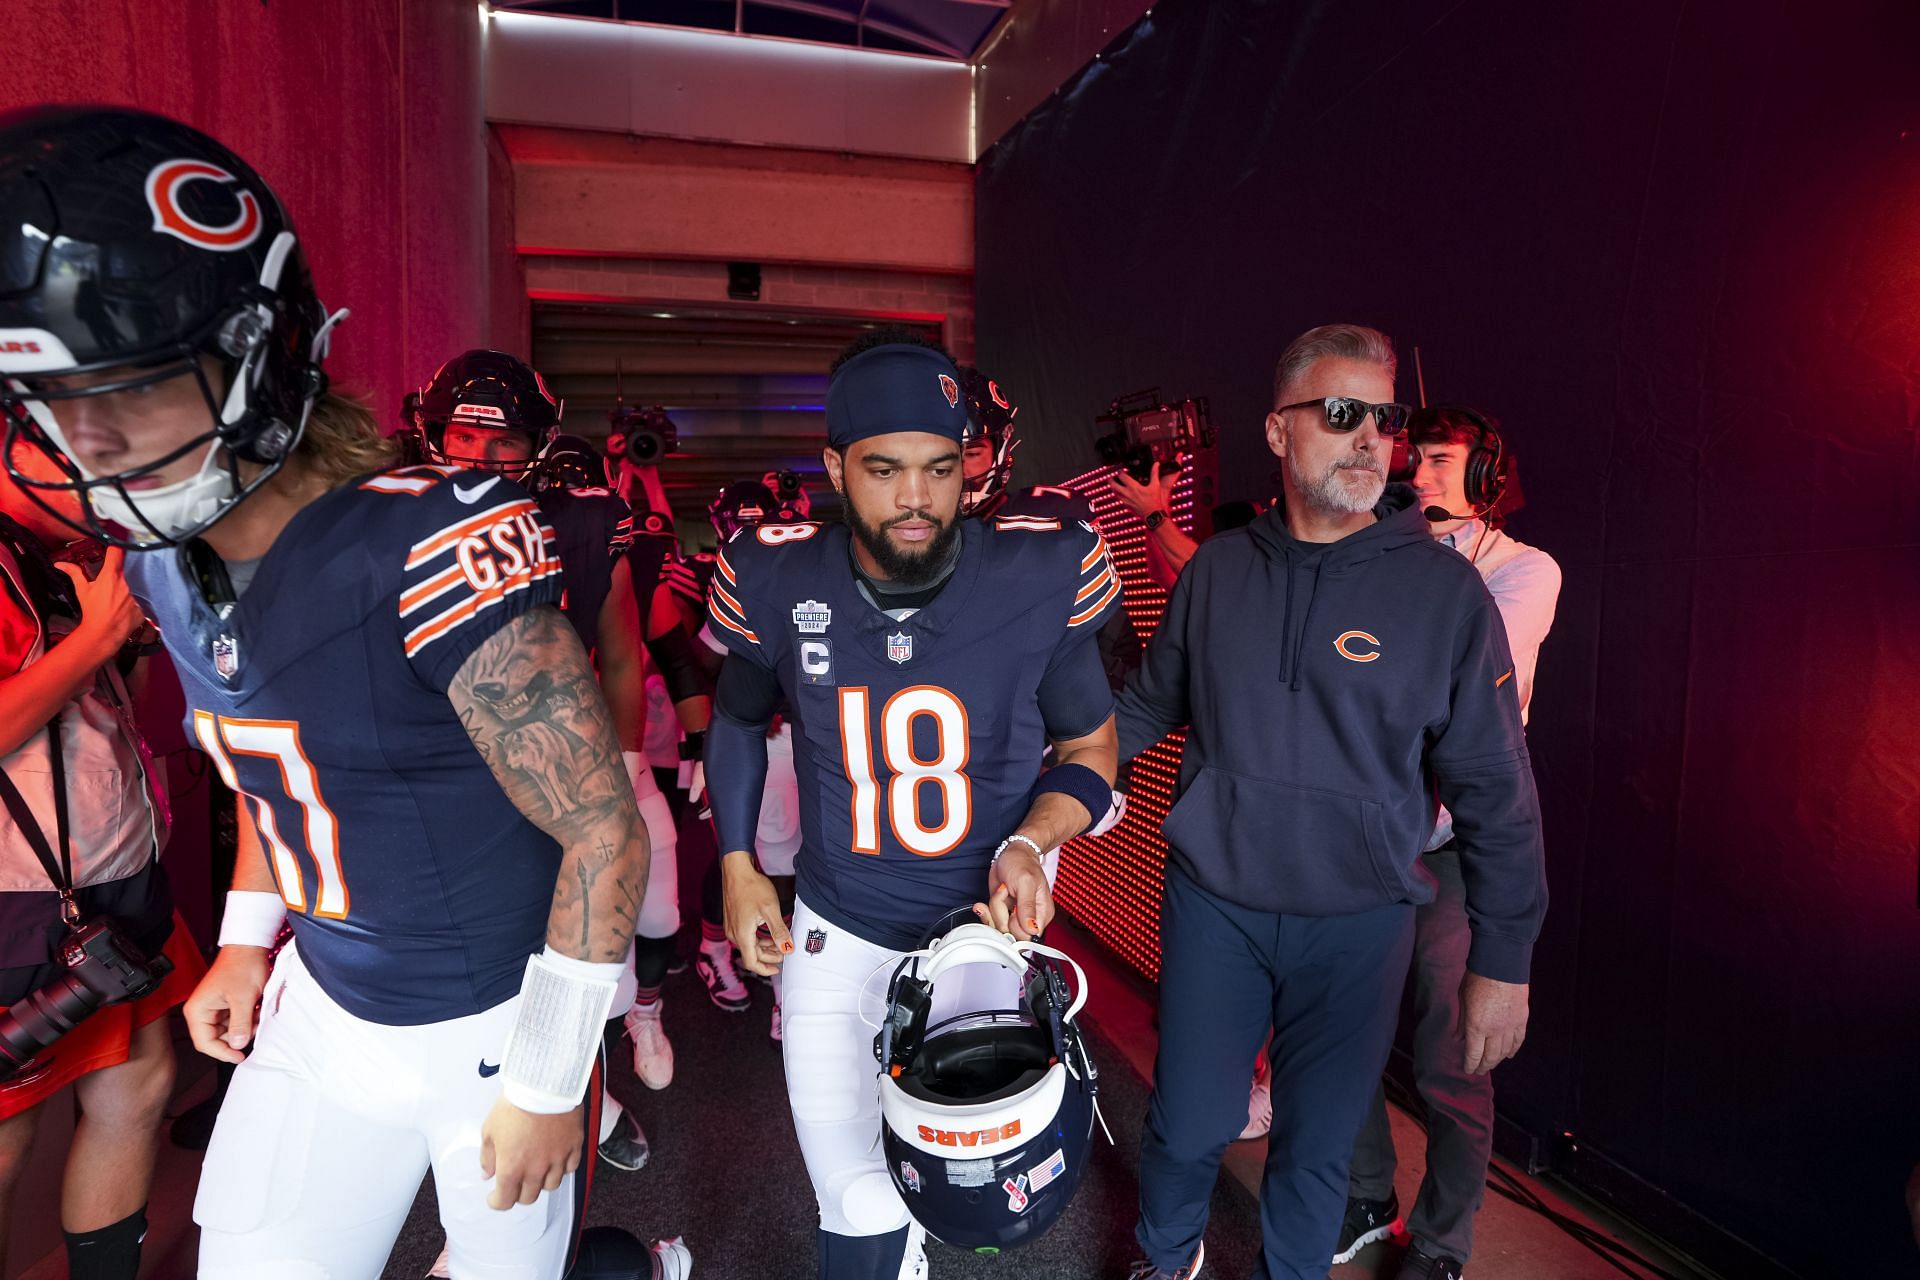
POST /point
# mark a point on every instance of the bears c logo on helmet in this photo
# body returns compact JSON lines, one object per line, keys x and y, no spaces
{"x":169,"y":178}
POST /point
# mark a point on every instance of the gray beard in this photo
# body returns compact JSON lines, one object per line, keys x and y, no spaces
{"x":1329,"y":494}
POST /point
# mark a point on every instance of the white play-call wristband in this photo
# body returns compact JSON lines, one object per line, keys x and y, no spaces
{"x":252,"y":919}
{"x":549,"y":1056}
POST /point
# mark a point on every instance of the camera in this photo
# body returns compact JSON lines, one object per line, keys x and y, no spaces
{"x":642,"y":436}
{"x":1142,"y":429}
{"x":100,"y":965}
{"x":785,"y":486}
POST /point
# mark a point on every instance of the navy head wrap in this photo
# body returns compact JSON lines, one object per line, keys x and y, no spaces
{"x":898,"y":387}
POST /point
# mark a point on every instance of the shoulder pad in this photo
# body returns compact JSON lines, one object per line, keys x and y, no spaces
{"x":411,"y":481}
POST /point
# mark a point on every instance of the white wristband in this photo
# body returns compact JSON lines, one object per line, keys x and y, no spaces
{"x":640,"y":775}
{"x":1034,"y":845}
{"x":252,"y":919}
{"x":556,"y":1032}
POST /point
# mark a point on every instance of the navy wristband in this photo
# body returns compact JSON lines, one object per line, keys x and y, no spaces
{"x":1083,"y":784}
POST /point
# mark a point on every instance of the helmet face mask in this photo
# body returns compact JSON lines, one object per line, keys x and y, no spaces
{"x":134,"y":252}
{"x":568,"y":462}
{"x":743,"y":504}
{"x":986,"y":1116}
{"x":476,"y":447}
{"x":151,"y":499}
{"x":990,"y":434}
{"x":482,"y":391}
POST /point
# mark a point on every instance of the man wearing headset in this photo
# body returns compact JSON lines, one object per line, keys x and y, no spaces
{"x":1459,"y":476}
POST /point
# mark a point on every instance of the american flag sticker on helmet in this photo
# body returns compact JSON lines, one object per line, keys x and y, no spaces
{"x":1047,"y":1170}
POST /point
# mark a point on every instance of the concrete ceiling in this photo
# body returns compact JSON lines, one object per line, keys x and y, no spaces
{"x":746,"y":387}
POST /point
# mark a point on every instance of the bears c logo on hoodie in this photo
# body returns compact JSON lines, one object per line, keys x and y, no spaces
{"x":1345,"y":638}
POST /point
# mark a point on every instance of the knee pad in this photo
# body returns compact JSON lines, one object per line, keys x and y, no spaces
{"x":871,"y":1205}
{"x":524,"y":1242}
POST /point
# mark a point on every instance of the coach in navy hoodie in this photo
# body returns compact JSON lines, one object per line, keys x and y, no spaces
{"x":1335,"y":668}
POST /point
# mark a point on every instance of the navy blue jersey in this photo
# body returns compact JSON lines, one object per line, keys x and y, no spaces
{"x":650,"y":549}
{"x":689,"y":577}
{"x":1042,"y":503}
{"x":593,"y":530}
{"x":918,"y":741}
{"x":416,"y":888}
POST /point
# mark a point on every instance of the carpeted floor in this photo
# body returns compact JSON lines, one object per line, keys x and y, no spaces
{"x":726,"y":1172}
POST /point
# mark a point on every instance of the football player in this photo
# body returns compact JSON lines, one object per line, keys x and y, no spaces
{"x":987,"y":458}
{"x":746,"y":504}
{"x":924,"y":658}
{"x":490,"y":411}
{"x":373,"y":659}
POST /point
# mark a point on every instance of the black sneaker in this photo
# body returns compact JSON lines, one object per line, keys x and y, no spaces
{"x":1366,"y":1222}
{"x":626,"y":1147}
{"x":1421,"y":1265}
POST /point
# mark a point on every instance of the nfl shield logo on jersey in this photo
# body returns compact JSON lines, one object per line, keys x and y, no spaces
{"x":910,"y":1175}
{"x":226,"y":657}
{"x":899,"y":646}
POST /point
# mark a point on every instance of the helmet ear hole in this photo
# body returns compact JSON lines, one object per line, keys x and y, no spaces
{"x":258,"y":438}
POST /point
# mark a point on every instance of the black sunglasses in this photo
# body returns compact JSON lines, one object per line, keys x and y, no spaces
{"x":1344,"y":413}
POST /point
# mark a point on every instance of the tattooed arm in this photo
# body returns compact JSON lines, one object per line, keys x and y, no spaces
{"x":529,"y":701}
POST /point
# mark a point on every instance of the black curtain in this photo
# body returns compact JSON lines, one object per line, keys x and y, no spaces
{"x":1675,"y":248}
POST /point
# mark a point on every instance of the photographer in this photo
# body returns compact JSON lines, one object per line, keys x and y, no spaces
{"x":74,"y":769}
{"x":1168,"y":546}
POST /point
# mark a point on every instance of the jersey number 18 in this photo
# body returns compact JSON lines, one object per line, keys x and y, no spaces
{"x":909,"y":774}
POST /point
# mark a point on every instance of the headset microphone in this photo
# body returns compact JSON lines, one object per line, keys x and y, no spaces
{"x":1437,"y":515}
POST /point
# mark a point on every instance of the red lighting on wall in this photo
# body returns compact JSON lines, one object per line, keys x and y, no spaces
{"x":1112,"y":884}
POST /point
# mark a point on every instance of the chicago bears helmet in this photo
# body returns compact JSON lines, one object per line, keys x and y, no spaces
{"x":986,"y":1117}
{"x":143,"y":264}
{"x":569,"y":463}
{"x":489,"y":390}
{"x":748,"y":502}
{"x":989,"y":418}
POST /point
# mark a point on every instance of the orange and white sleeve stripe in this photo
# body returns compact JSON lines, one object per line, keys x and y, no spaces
{"x":461,"y":571}
{"x":723,"y":601}
{"x":1099,"y":585}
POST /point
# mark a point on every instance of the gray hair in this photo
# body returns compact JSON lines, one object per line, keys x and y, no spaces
{"x":1344,"y":341}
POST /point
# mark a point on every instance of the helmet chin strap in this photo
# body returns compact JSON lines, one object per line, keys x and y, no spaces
{"x":170,"y":509}
{"x":164,"y":511}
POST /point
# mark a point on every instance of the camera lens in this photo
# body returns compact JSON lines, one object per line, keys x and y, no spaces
{"x":40,"y":1017}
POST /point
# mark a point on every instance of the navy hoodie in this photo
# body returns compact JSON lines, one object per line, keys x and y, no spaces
{"x":1328,"y":690}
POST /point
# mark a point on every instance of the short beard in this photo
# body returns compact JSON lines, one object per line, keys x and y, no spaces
{"x":908,"y":568}
{"x":1329,"y":493}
